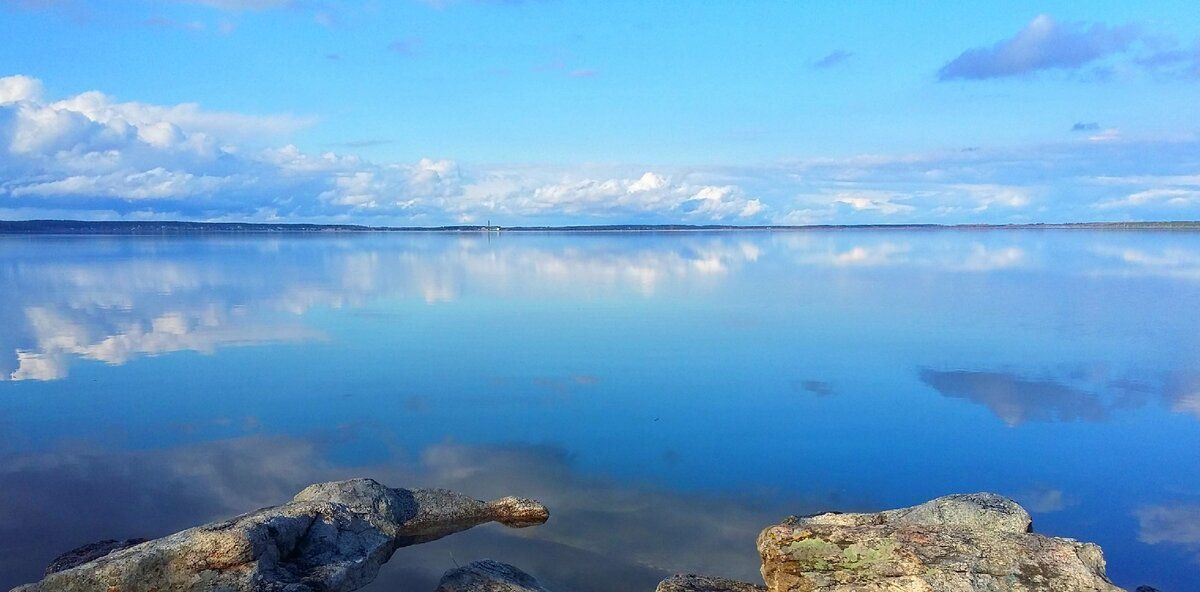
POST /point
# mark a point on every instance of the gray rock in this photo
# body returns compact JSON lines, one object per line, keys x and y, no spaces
{"x":332,"y":537}
{"x":488,"y":576}
{"x":695,"y":583}
{"x":960,"y":543}
{"x":89,"y":552}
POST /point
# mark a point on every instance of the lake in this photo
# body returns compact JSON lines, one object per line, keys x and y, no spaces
{"x":667,"y":395}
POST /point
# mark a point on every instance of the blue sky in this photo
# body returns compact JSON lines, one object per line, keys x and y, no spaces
{"x":551,"y":112}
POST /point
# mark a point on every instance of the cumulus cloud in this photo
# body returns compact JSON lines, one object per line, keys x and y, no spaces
{"x":93,"y":156}
{"x":1042,"y":45}
{"x":102,"y":153}
{"x":19,"y":88}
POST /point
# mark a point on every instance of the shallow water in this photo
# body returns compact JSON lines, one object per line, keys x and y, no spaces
{"x":667,"y":395}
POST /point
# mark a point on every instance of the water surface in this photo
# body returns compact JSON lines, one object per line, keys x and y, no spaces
{"x":667,"y":395}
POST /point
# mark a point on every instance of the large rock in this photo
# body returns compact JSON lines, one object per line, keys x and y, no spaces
{"x":488,"y":576}
{"x":331,"y":537}
{"x":959,"y":543}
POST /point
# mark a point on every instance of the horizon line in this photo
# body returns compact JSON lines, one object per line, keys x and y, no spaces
{"x":68,"y":226}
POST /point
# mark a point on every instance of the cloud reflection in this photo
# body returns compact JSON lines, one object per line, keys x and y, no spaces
{"x":116,"y":300}
{"x":139,"y":298}
{"x":603,"y":536}
{"x":1176,"y":524}
{"x":1017,"y":399}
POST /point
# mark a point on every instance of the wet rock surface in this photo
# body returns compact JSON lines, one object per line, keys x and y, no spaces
{"x":957,"y":543}
{"x":697,"y":583}
{"x":89,"y":552}
{"x":332,"y":537}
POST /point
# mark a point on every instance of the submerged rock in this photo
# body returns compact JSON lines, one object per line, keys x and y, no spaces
{"x":695,"y":583}
{"x":332,"y":537}
{"x":488,"y":576}
{"x":89,"y":552}
{"x":958,"y":543}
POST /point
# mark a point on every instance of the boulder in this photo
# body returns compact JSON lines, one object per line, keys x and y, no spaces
{"x":488,"y":576}
{"x":958,"y":543}
{"x":332,"y":537}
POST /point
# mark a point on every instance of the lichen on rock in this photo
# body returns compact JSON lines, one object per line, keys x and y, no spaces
{"x":957,"y":543}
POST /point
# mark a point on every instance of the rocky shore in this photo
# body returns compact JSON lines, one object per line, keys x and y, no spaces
{"x":333,"y":537}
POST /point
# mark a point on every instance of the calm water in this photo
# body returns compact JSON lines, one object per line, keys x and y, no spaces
{"x":667,"y":395}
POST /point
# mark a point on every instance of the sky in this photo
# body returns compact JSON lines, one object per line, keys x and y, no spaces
{"x":433,"y":112}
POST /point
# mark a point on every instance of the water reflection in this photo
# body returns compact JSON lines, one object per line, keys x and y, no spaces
{"x":115,"y":300}
{"x":1015,"y":399}
{"x":641,"y":384}
{"x":1176,"y":524}
{"x":116,"y":308}
{"x":1044,"y":500}
{"x":1171,"y":262}
{"x":1080,"y":396}
{"x":603,"y":536}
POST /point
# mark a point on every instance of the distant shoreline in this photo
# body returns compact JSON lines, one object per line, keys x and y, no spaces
{"x":83,"y":227}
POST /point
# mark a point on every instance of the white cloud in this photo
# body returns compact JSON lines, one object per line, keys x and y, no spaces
{"x":1172,"y":197}
{"x":988,"y":195}
{"x":157,"y":183}
{"x":648,"y":182}
{"x":616,"y":198}
{"x":1107,"y":135}
{"x":189,"y":117}
{"x":89,"y":156}
{"x":881,"y":201}
{"x":94,"y":149}
{"x":19,"y":88}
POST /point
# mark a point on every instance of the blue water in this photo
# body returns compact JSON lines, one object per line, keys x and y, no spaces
{"x":667,"y":395}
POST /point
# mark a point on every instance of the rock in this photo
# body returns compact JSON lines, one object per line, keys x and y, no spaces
{"x":695,"y":583}
{"x":89,"y":552}
{"x":1145,"y":589}
{"x":332,"y":537}
{"x":488,"y":576}
{"x":958,"y":543}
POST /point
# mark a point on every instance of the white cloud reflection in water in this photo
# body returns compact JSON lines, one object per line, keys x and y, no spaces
{"x":671,"y":373}
{"x":603,"y":535}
